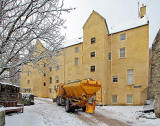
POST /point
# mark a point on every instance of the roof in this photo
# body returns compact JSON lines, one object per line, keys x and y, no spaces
{"x":112,"y":30}
{"x":135,"y":24}
{"x":72,"y":42}
{"x":7,"y":83}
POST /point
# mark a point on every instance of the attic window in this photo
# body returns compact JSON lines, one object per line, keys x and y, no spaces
{"x":93,"y":40}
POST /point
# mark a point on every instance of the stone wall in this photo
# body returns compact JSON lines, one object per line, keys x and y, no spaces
{"x":157,"y":106}
{"x":154,"y":85}
{"x":2,"y":118}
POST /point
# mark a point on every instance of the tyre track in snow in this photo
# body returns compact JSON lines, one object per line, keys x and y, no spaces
{"x":96,"y":119}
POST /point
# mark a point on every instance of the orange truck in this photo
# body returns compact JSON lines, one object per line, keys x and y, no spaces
{"x":78,"y":94}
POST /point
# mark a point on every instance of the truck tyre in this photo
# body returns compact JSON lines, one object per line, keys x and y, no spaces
{"x":84,"y":108}
{"x":73,"y":110}
{"x":58,"y":101}
{"x":67,"y":106}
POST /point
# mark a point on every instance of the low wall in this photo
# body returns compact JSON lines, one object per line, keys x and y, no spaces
{"x":157,"y":106}
{"x":2,"y":117}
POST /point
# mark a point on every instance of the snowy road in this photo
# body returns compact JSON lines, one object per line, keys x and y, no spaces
{"x":47,"y":113}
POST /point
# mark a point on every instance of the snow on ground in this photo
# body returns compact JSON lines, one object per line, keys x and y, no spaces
{"x":133,"y":115}
{"x":43,"y":113}
{"x":47,"y":113}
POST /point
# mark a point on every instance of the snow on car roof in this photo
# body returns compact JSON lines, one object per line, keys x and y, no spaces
{"x":136,"y":23}
{"x":72,"y":42}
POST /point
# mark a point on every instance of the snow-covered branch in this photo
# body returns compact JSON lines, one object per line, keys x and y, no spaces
{"x":24,"y":21}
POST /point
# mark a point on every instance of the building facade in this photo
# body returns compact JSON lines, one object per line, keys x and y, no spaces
{"x":119,"y":59}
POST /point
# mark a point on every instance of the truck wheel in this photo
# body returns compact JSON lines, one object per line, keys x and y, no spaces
{"x":67,"y":106}
{"x":84,"y":108}
{"x":73,"y":110}
{"x":58,"y":101}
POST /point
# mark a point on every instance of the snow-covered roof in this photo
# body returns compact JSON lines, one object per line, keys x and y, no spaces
{"x":8,"y":83}
{"x":137,"y":23}
{"x":114,"y":29}
{"x":72,"y":42}
{"x":2,"y":108}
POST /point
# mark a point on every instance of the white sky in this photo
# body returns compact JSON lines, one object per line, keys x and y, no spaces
{"x":116,"y":12}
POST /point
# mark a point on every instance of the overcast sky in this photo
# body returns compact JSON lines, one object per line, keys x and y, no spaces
{"x":116,"y":12}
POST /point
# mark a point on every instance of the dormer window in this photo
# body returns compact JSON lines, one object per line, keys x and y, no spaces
{"x":93,"y":40}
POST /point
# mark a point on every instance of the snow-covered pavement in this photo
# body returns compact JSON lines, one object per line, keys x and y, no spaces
{"x":47,"y":113}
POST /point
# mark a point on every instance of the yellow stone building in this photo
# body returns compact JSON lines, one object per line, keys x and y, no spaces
{"x":117,"y":58}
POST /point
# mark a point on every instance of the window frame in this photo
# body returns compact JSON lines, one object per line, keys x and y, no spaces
{"x":129,"y":75}
{"x":50,"y":90}
{"x":57,"y":67}
{"x":131,"y":99}
{"x":76,"y":62}
{"x":93,"y":40}
{"x":57,"y":79}
{"x":50,"y":69}
{"x":93,"y":54}
{"x":92,"y":70}
{"x":113,"y":78}
{"x":109,"y":56}
{"x":76,"y":49}
{"x":28,"y":81}
{"x":50,"y":80}
{"x":120,"y":55}
{"x":123,"y":37}
{"x":44,"y":65}
{"x":116,"y":99}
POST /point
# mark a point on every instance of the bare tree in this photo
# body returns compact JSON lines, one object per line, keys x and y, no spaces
{"x":22,"y":22}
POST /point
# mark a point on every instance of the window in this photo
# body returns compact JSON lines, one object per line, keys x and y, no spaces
{"x":93,"y":40}
{"x":130,"y":76}
{"x":122,"y":52}
{"x":50,"y":69}
{"x":76,"y":49}
{"x":129,"y":99}
{"x":44,"y":65}
{"x":122,"y":37}
{"x":57,"y":67}
{"x":50,"y":80}
{"x":28,"y":90}
{"x":44,"y":74}
{"x":114,"y":99}
{"x":115,"y":79}
{"x":92,"y":54}
{"x":28,"y":73}
{"x":28,"y":81}
{"x":92,"y":68}
{"x":57,"y":79}
{"x":50,"y":90}
{"x":109,"y":56}
{"x":76,"y":61}
{"x":44,"y":84}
